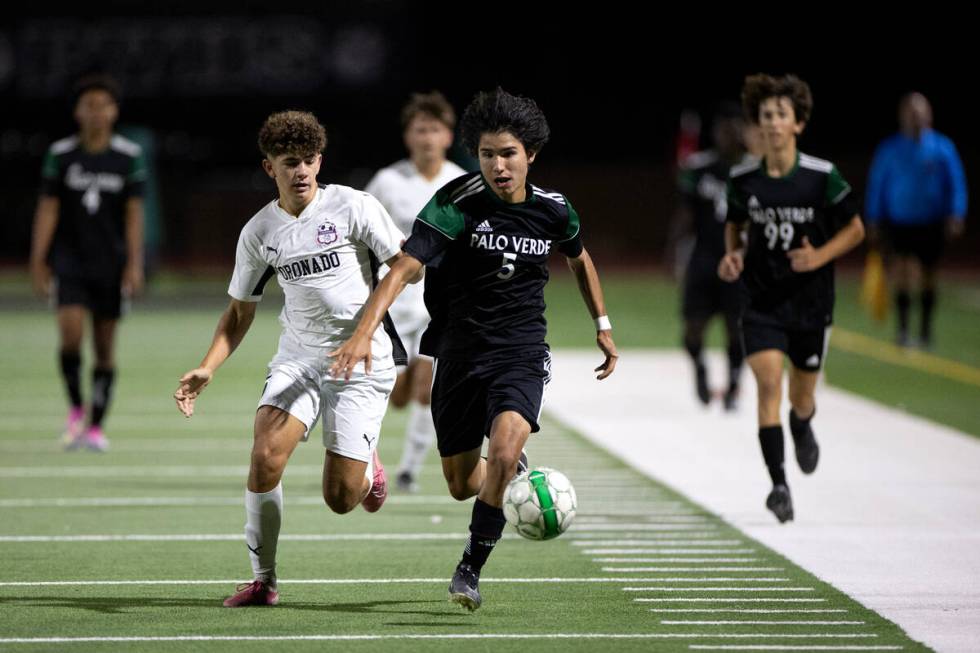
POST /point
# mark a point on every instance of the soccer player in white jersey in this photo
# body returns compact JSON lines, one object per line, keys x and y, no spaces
{"x":404,"y":188}
{"x":323,"y":243}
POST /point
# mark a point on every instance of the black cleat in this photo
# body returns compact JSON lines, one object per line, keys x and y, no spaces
{"x":731,"y":399}
{"x":807,"y":449}
{"x":464,"y":587}
{"x":780,"y":503}
{"x":704,"y":393}
{"x":406,"y":482}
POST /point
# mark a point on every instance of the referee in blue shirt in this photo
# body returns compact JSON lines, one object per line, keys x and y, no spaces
{"x":916,"y":199}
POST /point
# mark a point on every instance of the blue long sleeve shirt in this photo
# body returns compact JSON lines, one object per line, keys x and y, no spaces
{"x":915,"y":182}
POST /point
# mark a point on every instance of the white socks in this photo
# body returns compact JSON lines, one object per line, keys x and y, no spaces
{"x":419,"y":436}
{"x":263,"y":513}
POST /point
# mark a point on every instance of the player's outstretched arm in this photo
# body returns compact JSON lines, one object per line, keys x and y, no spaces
{"x":404,"y":270}
{"x":731,"y":264}
{"x":45,"y":223}
{"x":588,"y":284}
{"x":808,"y":257}
{"x":231,"y":329}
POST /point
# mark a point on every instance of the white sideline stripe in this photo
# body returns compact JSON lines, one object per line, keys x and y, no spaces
{"x":719,"y":600}
{"x":318,"y":638}
{"x":670,"y":551}
{"x":663,"y":542}
{"x":597,"y":537}
{"x":789,"y":647}
{"x":99,"y":502}
{"x":702,"y":579}
{"x":307,"y":581}
{"x":754,"y":622}
{"x":661,"y":588}
{"x":712,"y":559}
{"x":696,"y":579}
{"x":753,"y":569}
{"x":749,"y":610}
{"x":143,"y":471}
{"x":669,"y":526}
{"x":234,"y":537}
{"x":604,"y":518}
{"x":640,"y":526}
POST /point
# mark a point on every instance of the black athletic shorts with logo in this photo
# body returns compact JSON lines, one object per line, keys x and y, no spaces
{"x":806,"y":348}
{"x":102,"y":297}
{"x":468,"y":395}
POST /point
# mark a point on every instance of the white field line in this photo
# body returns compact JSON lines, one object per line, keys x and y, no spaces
{"x":447,"y":636}
{"x":310,"y":581}
{"x":657,"y":542}
{"x":668,"y":551}
{"x":719,"y":600}
{"x":703,"y":569}
{"x":757,"y":622}
{"x":234,"y":537}
{"x":665,"y":588}
{"x":117,"y":502}
{"x":787,"y":647}
{"x":750,"y":610}
{"x":700,"y":579}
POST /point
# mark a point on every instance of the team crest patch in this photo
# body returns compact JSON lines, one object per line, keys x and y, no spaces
{"x":326,"y":233}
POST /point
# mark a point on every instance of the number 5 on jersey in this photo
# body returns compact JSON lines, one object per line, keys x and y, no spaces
{"x":507,"y":269}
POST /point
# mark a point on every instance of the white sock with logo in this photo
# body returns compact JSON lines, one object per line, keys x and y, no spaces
{"x":263,"y":514}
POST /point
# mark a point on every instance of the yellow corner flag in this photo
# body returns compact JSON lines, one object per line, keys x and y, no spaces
{"x":874,"y":290}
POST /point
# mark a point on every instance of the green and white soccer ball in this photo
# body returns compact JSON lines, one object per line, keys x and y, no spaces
{"x":540,"y":503}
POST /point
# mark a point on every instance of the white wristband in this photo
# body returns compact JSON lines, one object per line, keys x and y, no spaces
{"x":602,"y":323}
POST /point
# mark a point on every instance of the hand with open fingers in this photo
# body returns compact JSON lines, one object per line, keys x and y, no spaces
{"x":805,"y":258}
{"x":730,"y":266}
{"x":348,"y":355}
{"x":191,"y":385}
{"x":605,"y":341}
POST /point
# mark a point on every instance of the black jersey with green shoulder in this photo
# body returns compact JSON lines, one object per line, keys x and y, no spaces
{"x":92,"y":189}
{"x":486,"y":267}
{"x":702,"y":181}
{"x":811,"y":200}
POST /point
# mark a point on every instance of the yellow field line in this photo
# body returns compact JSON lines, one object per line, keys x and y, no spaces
{"x":856,"y":343}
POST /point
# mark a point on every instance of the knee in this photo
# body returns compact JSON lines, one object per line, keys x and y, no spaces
{"x":459,"y":489}
{"x":267,"y":465}
{"x":341,"y":498}
{"x":503,"y":464}
{"x":769,"y":387}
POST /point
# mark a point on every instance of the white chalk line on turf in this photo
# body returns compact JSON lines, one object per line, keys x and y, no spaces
{"x":704,"y":569}
{"x":667,"y":551}
{"x":778,"y":647}
{"x":750,"y":610}
{"x":701,"y":579}
{"x":464,"y":636}
{"x":758,"y":622}
{"x":657,"y":542}
{"x":317,"y":581}
{"x":713,"y":599}
{"x":663,"y":588}
{"x":234,"y":537}
{"x":113,"y":502}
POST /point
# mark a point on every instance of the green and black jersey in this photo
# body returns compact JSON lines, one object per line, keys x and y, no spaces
{"x":812,"y":200}
{"x":92,"y":189}
{"x":486,"y":267}
{"x":702,"y":182}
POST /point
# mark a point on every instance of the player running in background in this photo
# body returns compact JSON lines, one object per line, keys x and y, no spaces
{"x":800,"y":215}
{"x":87,"y":248}
{"x":403,"y":188}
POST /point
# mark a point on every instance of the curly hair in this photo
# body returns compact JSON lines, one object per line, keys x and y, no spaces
{"x":96,"y":82}
{"x":760,"y":87}
{"x":499,"y":111}
{"x":292,"y":132}
{"x":431,"y":105}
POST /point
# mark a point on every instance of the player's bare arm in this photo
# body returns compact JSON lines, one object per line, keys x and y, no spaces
{"x":731,"y":264}
{"x":132,"y":279}
{"x":588,"y":284}
{"x":807,"y":257}
{"x":45,"y":223}
{"x":231,"y":329}
{"x":404,"y":270}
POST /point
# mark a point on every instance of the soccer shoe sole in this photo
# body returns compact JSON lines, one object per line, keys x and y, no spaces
{"x":465,"y":600}
{"x":781,"y":505}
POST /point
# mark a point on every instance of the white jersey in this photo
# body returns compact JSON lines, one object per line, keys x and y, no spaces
{"x":322,"y":260}
{"x":404,"y":191}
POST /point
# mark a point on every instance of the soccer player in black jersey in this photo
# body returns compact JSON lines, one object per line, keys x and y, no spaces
{"x":702,"y":182}
{"x":485,"y":239}
{"x":88,"y":236}
{"x":801,"y":215}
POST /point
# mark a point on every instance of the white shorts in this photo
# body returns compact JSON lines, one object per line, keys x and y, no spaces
{"x":351,"y":411}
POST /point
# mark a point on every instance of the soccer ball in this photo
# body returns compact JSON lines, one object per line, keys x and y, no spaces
{"x":540,"y":503}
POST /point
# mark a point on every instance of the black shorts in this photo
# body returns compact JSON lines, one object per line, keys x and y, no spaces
{"x":103,"y":298}
{"x":806,"y":349}
{"x":705,"y":294}
{"x":467,"y":396}
{"x":922,"y":241}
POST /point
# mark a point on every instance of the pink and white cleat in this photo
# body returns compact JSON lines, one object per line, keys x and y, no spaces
{"x":74,"y":434}
{"x":379,"y":488}
{"x":255,"y":593}
{"x":96,"y":440}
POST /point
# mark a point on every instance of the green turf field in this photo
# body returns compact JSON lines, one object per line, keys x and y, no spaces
{"x":643,"y":569}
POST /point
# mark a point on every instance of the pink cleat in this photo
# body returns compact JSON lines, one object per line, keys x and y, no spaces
{"x":379,"y":488}
{"x":74,"y":434}
{"x":96,"y":440}
{"x":255,"y":593}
